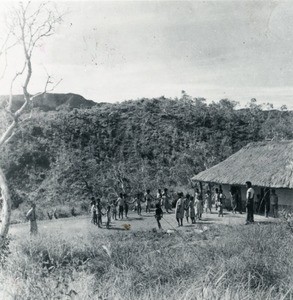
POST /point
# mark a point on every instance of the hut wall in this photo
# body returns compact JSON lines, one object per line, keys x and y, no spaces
{"x":285,"y":197}
{"x":226,"y":191}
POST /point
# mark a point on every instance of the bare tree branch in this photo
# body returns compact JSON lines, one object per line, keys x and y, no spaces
{"x":25,"y":29}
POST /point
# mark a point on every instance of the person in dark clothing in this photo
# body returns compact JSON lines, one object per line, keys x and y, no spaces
{"x":32,"y":217}
{"x":99,"y":213}
{"x":249,"y":202}
{"x":126,"y":206}
{"x":158,"y":214}
{"x":120,"y":204}
{"x":239,"y":202}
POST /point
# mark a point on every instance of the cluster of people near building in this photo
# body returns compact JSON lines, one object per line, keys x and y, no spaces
{"x":190,"y":208}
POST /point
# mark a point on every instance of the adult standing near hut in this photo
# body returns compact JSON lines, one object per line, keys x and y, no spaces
{"x":274,"y":203}
{"x":32,"y":217}
{"x":179,"y":209}
{"x":249,"y":202}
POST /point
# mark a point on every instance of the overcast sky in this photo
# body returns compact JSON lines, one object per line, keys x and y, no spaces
{"x":113,"y":51}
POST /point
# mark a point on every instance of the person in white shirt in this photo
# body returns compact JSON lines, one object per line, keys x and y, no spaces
{"x":249,"y":202}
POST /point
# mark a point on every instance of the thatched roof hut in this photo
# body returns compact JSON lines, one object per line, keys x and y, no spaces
{"x":265,"y":164}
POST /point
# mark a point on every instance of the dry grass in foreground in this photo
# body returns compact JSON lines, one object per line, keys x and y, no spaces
{"x":223,"y":262}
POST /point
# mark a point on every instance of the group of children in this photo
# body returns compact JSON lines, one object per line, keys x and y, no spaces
{"x":190,"y":206}
{"x":193,"y":207}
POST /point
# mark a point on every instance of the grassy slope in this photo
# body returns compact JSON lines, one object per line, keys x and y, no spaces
{"x":224,"y":262}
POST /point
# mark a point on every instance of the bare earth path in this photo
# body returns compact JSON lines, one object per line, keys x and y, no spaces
{"x":82,"y":225}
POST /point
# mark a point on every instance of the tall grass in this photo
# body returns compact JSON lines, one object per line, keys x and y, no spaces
{"x":224,"y":262}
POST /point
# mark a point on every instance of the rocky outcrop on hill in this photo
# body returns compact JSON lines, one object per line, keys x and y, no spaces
{"x":52,"y":102}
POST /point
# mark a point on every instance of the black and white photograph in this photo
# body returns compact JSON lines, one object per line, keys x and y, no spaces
{"x":146,"y":150}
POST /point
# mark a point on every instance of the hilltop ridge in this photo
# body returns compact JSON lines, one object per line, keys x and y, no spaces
{"x":52,"y":101}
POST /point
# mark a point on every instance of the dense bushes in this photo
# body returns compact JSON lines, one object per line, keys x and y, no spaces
{"x":63,"y":158}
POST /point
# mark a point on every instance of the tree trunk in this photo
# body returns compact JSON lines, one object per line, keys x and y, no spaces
{"x":6,"y":209}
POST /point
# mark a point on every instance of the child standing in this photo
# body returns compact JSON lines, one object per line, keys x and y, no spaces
{"x":31,"y":215}
{"x":220,"y":207}
{"x":192,"y":210}
{"x":179,"y":209}
{"x":187,"y":207}
{"x":108,"y":213}
{"x":99,"y":213}
{"x":114,"y":210}
{"x":158,"y":214}
{"x":216,"y":198}
{"x":208,"y":201}
{"x":148,"y":199}
{"x":137,"y":199}
{"x":94,"y":212}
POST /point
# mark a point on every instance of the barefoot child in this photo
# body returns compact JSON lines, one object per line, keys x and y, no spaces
{"x":114,"y":210}
{"x":31,"y":215}
{"x":187,"y":207}
{"x":99,"y":213}
{"x":94,"y":213}
{"x":179,"y":209}
{"x":108,"y":214}
{"x":220,"y":207}
{"x":192,"y":210}
{"x":158,"y":214}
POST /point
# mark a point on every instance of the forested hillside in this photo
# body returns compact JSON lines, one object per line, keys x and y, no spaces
{"x":60,"y":159}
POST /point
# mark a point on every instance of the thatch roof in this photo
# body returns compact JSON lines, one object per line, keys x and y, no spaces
{"x":265,"y":164}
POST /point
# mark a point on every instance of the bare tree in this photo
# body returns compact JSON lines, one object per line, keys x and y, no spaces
{"x":27,"y":27}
